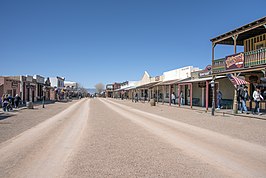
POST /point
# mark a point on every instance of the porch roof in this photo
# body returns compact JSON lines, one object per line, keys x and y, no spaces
{"x":168,"y":82}
{"x":252,"y":29}
{"x":148,"y":85}
{"x":200,"y":79}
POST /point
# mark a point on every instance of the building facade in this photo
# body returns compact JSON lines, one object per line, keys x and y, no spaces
{"x":249,"y":64}
{"x":9,"y":85}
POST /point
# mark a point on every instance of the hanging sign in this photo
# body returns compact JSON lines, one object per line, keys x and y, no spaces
{"x":235,"y":61}
{"x":207,"y":71}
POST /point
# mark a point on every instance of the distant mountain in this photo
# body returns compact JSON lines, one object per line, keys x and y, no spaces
{"x":91,"y":90}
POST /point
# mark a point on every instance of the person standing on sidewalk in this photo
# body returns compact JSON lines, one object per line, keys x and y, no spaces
{"x":257,"y":98}
{"x":17,"y":100}
{"x":219,"y":99}
{"x":243,"y":99}
{"x":5,"y":103}
{"x":173,"y":97}
{"x":181,"y":98}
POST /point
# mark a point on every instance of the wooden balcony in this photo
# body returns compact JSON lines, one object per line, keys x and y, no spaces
{"x":255,"y":58}
{"x":218,"y":65}
{"x":251,"y":59}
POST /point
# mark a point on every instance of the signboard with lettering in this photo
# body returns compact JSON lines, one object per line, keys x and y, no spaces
{"x":29,"y":78}
{"x":206,"y":72}
{"x":157,"y":78}
{"x":14,"y":84}
{"x":235,"y":61}
{"x":39,"y":79}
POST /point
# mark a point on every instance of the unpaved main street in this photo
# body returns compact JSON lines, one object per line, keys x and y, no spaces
{"x":112,"y":138}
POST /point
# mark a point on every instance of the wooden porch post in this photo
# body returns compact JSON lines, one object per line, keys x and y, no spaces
{"x":235,"y":107}
{"x":179,"y":95}
{"x":157,"y":94}
{"x":191,"y":96}
{"x":170,"y":96}
{"x":207,"y":95}
{"x":164,"y":88}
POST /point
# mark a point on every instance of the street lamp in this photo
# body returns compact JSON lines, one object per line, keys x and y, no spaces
{"x":213,"y":95}
{"x":43,"y":97}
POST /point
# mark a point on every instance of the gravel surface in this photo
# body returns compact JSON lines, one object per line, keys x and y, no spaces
{"x":114,"y":138}
{"x":43,"y":150}
{"x":249,"y":129}
{"x":115,"y":147}
{"x":14,"y":123}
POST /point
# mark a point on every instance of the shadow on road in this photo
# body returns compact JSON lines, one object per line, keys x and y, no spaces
{"x":4,"y":116}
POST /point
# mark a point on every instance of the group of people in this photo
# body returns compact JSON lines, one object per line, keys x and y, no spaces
{"x":173,"y":97}
{"x":242,"y":98}
{"x":9,"y":102}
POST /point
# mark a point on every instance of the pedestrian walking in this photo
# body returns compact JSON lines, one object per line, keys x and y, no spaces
{"x":5,"y":103}
{"x":219,"y":99}
{"x":173,"y":97}
{"x":244,"y":97}
{"x":145,"y":97}
{"x":240,"y":90}
{"x":17,"y":100}
{"x":182,"y":102}
{"x":136,"y":97}
{"x":257,"y":98}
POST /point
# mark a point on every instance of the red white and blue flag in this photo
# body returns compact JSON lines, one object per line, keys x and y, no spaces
{"x":235,"y":80}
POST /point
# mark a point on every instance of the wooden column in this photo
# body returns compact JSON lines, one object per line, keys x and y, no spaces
{"x":170,"y":96}
{"x":163,"y":93}
{"x":235,"y":106}
{"x":191,"y":96}
{"x":157,"y":94}
{"x":179,"y":95}
{"x":207,"y":95}
{"x":213,"y":47}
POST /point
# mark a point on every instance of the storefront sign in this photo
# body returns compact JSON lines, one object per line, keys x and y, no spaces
{"x":157,"y":78}
{"x":207,"y":71}
{"x":39,"y":79}
{"x":14,"y":84}
{"x":29,"y":78}
{"x":234,"y":61}
{"x":203,"y":74}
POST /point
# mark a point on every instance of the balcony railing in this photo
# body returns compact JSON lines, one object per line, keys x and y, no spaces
{"x":218,"y":65}
{"x":254,"y":58}
{"x":251,"y":59}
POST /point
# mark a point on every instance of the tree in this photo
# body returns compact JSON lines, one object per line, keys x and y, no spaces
{"x":81,"y":90}
{"x":99,"y":87}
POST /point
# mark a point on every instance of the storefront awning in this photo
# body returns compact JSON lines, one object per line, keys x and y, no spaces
{"x":236,"y":81}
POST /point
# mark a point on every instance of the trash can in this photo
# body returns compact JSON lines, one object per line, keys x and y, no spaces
{"x":29,"y":105}
{"x":152,"y":102}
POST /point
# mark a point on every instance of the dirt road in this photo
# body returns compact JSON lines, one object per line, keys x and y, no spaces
{"x":43,"y":150}
{"x":105,"y":138}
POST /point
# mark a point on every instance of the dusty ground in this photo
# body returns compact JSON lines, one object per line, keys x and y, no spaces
{"x":249,"y":129}
{"x":114,"y":138}
{"x":14,"y":123}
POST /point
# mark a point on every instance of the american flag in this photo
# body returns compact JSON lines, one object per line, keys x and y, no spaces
{"x":235,"y":80}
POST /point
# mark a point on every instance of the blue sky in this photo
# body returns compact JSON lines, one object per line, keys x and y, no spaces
{"x":91,"y":41}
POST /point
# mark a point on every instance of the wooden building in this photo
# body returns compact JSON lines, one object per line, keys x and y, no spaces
{"x":250,"y":64}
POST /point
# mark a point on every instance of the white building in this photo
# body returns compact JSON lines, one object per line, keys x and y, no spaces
{"x":180,"y":73}
{"x":73,"y":85}
{"x":57,"y":82}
